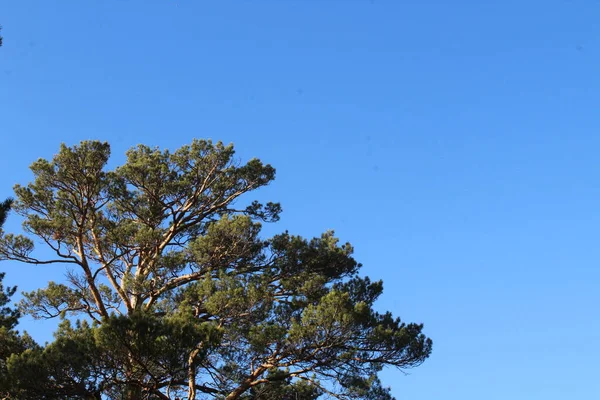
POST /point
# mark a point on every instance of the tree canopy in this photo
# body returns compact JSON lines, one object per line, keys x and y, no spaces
{"x":171,"y":291}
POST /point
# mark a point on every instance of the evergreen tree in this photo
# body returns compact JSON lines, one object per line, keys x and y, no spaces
{"x":4,"y":209}
{"x":8,"y":316}
{"x":10,"y":340}
{"x":178,"y":295}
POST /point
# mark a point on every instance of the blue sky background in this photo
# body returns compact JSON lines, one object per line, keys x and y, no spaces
{"x":454,"y":143}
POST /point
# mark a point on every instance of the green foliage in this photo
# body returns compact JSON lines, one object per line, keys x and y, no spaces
{"x":11,"y":342}
{"x":4,"y":209}
{"x":282,"y":387}
{"x":9,"y":317}
{"x":65,"y":369}
{"x":183,"y":295}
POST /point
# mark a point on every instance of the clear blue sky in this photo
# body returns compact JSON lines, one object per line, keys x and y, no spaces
{"x":454,"y":143}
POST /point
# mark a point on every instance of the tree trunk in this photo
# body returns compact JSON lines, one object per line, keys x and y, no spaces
{"x":237,"y":392}
{"x":246,"y":384}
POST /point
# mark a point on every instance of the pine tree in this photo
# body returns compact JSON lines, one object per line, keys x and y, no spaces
{"x":177,"y":295}
{"x":11,"y":342}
